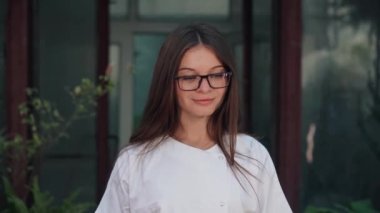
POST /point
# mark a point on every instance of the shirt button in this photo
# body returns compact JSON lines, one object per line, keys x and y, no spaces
{"x":222,"y":204}
{"x":221,"y":157}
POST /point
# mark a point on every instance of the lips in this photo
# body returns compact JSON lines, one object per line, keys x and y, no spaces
{"x":203,"y":101}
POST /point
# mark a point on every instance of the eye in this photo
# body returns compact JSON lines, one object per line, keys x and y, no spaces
{"x":189,"y":78}
{"x":217,"y":75}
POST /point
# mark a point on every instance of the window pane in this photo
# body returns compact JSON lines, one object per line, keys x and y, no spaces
{"x":261,"y":74}
{"x":119,"y":8}
{"x":341,"y":90}
{"x":145,"y":52}
{"x":184,"y":8}
{"x":262,"y":71}
{"x":65,"y":52}
{"x":3,"y":7}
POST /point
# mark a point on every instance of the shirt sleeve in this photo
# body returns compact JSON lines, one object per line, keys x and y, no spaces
{"x":274,"y":199}
{"x":116,"y":196}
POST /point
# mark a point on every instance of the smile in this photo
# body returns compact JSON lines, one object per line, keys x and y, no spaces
{"x":203,"y":102}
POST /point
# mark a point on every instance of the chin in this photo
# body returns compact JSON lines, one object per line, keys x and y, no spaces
{"x":202,"y":113}
{"x":195,"y":111}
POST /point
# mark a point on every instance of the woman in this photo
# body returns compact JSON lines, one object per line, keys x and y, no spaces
{"x":187,"y":156}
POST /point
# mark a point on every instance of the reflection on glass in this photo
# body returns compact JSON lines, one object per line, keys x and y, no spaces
{"x":146,"y":47}
{"x":341,"y":104}
{"x":118,"y":8}
{"x":184,"y":8}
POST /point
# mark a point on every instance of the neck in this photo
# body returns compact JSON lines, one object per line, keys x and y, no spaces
{"x":193,"y":132}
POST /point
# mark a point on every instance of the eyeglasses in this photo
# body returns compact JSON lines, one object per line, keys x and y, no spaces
{"x":193,"y":82}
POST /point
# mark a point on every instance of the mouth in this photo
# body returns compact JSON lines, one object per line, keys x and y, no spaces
{"x":203,"y":101}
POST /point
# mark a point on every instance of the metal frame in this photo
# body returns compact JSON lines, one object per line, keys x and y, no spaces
{"x":287,"y":94}
{"x":18,"y":74}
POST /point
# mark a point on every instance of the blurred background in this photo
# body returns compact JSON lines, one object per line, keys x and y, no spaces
{"x":308,"y":71}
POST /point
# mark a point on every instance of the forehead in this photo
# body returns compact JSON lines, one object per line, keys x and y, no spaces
{"x":199,"y":57}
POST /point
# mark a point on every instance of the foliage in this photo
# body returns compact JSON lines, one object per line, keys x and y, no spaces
{"x":46,"y":123}
{"x":14,"y":202}
{"x":43,"y":202}
{"x":362,"y":206}
{"x":47,"y":126}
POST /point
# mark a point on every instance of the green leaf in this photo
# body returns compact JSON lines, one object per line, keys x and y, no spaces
{"x":56,"y":114}
{"x":362,"y":206}
{"x":42,"y":200}
{"x":69,"y":204}
{"x":86,"y":81}
{"x":313,"y":209}
{"x":99,"y":90}
{"x":23,"y":109}
{"x":15,"y":204}
{"x":47,"y":105}
{"x":81,"y":108}
{"x":343,"y":208}
{"x":37,"y":103}
{"x":37,"y":140}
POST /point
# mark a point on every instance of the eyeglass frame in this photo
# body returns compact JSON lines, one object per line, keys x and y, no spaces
{"x":227,"y":73}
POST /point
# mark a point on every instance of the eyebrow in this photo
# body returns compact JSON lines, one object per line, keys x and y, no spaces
{"x":191,"y":69}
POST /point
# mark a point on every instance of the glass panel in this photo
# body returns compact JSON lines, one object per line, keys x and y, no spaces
{"x":65,"y":52}
{"x":65,"y":176}
{"x":119,"y":8}
{"x":3,"y":6}
{"x":146,"y":48}
{"x":262,"y":71}
{"x":341,"y":90}
{"x":184,"y":8}
{"x":238,"y":53}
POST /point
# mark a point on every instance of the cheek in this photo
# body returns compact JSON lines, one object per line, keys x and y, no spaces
{"x":221,"y":96}
{"x":181,"y":97}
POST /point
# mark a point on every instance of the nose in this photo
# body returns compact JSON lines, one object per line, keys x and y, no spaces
{"x":205,"y":86}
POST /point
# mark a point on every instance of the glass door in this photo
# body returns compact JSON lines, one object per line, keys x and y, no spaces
{"x":64,"y":53}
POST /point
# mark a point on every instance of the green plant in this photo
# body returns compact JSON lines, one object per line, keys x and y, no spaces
{"x":43,"y":202}
{"x":45,"y":121}
{"x":47,"y":126}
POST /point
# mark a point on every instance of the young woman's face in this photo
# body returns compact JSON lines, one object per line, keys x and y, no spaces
{"x":203,"y":101}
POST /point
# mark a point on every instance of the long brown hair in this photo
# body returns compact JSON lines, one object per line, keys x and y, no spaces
{"x":161,"y":114}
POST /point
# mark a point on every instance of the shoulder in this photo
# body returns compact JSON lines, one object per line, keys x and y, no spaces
{"x":246,"y":144}
{"x":121,"y":165}
{"x":250,"y":148}
{"x":135,"y":152}
{"x":127,"y":161}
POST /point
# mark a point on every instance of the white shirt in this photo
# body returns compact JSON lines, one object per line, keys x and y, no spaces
{"x":178,"y":178}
